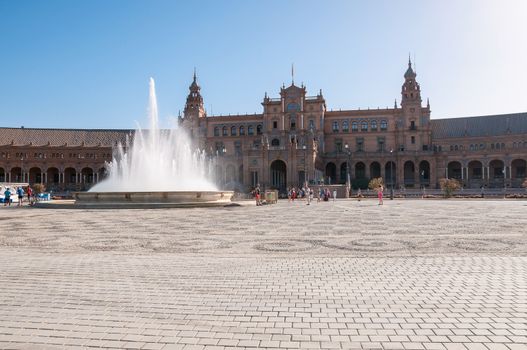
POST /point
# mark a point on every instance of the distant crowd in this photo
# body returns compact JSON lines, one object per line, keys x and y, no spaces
{"x":308,"y":194}
{"x":8,"y":195}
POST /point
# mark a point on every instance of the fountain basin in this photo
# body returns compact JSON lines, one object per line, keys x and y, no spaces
{"x":161,"y":199}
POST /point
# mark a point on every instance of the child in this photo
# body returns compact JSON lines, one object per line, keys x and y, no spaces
{"x":379,"y":194}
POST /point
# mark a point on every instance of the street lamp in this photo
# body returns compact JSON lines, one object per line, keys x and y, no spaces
{"x":305,"y":166}
{"x":504,"y":181}
{"x":348,"y":164}
{"x":391,"y":173}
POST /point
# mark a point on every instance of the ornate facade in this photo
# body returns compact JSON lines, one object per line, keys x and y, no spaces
{"x":296,"y":139}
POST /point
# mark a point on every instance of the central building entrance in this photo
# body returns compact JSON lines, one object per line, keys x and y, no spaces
{"x":279,"y":175}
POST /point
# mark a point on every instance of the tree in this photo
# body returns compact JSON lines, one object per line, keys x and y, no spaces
{"x":449,"y":186}
{"x":38,"y":189}
{"x":375,"y":183}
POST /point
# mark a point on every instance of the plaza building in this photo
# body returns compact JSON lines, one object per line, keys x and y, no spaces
{"x":296,"y":139}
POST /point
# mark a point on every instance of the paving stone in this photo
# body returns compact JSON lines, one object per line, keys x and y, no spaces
{"x":431,"y":275}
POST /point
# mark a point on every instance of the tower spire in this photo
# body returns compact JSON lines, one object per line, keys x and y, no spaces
{"x":194,"y":74}
{"x":292,"y":74}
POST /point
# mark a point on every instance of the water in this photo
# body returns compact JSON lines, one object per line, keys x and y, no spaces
{"x":158,"y":160}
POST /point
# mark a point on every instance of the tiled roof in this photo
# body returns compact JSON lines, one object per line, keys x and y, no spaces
{"x":60,"y":137}
{"x":489,"y":125}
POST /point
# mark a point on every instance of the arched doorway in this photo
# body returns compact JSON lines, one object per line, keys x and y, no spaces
{"x":409,"y":173}
{"x":35,"y":176}
{"x":279,"y":175}
{"x":87,"y":176}
{"x":375,"y":170}
{"x":16,"y":174}
{"x":475,"y":174}
{"x":2,"y":175}
{"x":70,"y":176}
{"x":52,"y":175}
{"x":331,"y":172}
{"x":518,"y":172}
{"x":424,"y":173}
{"x":390,"y":169}
{"x":454,"y":170}
{"x":360,"y":170}
{"x":344,"y":172}
{"x":497,"y":173}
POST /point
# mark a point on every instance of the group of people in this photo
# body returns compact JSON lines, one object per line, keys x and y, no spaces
{"x":19,"y":193}
{"x":307,"y":193}
{"x":300,"y":193}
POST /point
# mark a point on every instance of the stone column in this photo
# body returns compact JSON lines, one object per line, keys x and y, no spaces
{"x":8,"y":177}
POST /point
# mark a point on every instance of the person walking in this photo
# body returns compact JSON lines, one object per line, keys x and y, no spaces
{"x":380,"y":189}
{"x":359,"y":195}
{"x":334,"y":195}
{"x":30,"y":195}
{"x":7,"y":197}
{"x":20,"y":193}
{"x":257,"y":195}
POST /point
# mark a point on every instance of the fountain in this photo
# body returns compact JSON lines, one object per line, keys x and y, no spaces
{"x":160,"y":168}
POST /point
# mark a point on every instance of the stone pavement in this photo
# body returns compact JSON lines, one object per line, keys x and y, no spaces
{"x":407,"y":275}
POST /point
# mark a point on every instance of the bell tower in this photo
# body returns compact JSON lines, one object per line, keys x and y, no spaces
{"x":194,"y":113}
{"x":413,"y":127}
{"x":411,"y":91}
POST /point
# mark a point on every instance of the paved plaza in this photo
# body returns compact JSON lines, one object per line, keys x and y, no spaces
{"x":412,"y":274}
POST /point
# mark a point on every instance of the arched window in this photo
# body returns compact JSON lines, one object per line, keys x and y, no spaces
{"x":224,"y":131}
{"x":354,"y":126}
{"x":364,"y":126}
{"x":456,"y":148}
{"x":275,"y":142}
{"x":384,"y":125}
{"x":250,"y":130}
{"x":242,"y":130}
{"x":216,"y":131}
{"x":472,"y":147}
{"x":292,"y":122}
{"x":259,"y":129}
{"x":233,"y":131}
{"x":373,"y":125}
{"x":502,"y":145}
{"x":345,"y":126}
{"x":335,"y":126}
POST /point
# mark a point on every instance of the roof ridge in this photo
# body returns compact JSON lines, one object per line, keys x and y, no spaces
{"x":64,"y":129}
{"x":483,"y":116}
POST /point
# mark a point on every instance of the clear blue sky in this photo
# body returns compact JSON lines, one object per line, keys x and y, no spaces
{"x":86,"y":64}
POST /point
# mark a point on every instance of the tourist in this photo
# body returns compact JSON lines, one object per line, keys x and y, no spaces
{"x":289,"y":194}
{"x":20,"y":193}
{"x":359,"y":195}
{"x":334,"y":195}
{"x":30,"y":195}
{"x":257,"y":195}
{"x":307,"y":194}
{"x":379,"y":194}
{"x":7,"y":197}
{"x":326,"y":195}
